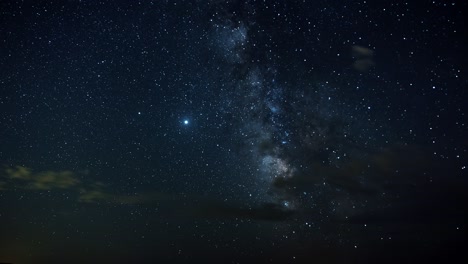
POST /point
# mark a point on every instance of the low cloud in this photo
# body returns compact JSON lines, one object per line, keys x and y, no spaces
{"x":398,"y":166}
{"x":266,"y":212}
{"x":49,"y":180}
{"x":45,"y":180}
{"x":19,"y":172}
{"x":87,"y":192}
{"x":94,"y":196}
{"x":97,"y":194}
{"x":3,"y":185}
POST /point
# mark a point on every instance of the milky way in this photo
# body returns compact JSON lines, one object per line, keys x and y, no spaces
{"x":274,"y":120}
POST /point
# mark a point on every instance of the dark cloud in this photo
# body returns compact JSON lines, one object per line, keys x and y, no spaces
{"x":368,"y":173}
{"x":266,"y":212}
{"x":173,"y":205}
{"x":434,"y":202}
{"x":404,"y":181}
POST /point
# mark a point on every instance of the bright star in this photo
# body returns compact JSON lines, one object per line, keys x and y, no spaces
{"x":186,"y":122}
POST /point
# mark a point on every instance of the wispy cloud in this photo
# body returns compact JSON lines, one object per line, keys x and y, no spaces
{"x":363,"y":58}
{"x":3,"y":185}
{"x":87,"y":192}
{"x":45,"y":180}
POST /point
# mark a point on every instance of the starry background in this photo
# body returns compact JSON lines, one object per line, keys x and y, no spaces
{"x":234,"y":131}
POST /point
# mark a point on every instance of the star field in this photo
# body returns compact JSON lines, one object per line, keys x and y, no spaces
{"x":232,"y":131}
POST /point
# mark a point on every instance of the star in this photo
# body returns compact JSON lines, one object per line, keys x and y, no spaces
{"x":186,"y":122}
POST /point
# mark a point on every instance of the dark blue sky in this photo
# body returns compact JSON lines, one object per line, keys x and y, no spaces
{"x":317,"y":131}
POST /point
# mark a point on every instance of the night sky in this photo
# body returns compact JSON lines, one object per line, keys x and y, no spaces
{"x":233,"y":131}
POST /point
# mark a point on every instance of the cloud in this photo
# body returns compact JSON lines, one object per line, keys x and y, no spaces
{"x":267,"y":212}
{"x":3,"y":186}
{"x":46,"y":180}
{"x":19,"y":172}
{"x":144,"y":198}
{"x":94,"y":196}
{"x":170,"y":204}
{"x":400,"y":183}
{"x":364,"y":58}
{"x":97,"y":194}
{"x":87,"y":192}
{"x":94,"y":192}
{"x":49,"y":180}
{"x":363,"y":173}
